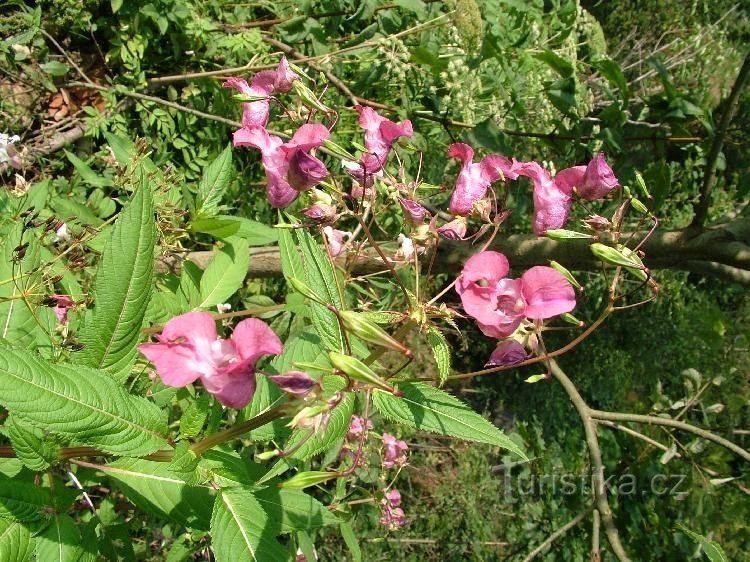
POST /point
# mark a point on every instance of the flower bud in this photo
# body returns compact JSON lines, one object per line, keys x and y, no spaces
{"x":338,"y":150}
{"x":303,"y":289}
{"x":566,"y":273}
{"x":597,"y":223}
{"x":308,"y":97}
{"x":296,"y":383}
{"x":639,"y":181}
{"x":358,"y":371}
{"x":305,"y":479}
{"x":321,"y":213}
{"x":562,"y":235}
{"x":370,"y":332}
{"x":454,"y":230}
{"x":508,"y":352}
{"x":621,"y":258}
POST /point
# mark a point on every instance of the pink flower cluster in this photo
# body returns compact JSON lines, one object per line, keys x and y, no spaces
{"x":189,"y":349}
{"x":394,"y":451}
{"x":392,"y":515}
{"x":290,"y":168}
{"x":500,"y":304}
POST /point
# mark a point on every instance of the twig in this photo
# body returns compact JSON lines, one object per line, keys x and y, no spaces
{"x":556,"y":535}
{"x":597,"y":467}
{"x":57,"y":45}
{"x":669,"y":422}
{"x":596,"y":554}
{"x":709,"y":177}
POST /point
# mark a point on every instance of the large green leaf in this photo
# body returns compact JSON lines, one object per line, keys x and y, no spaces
{"x":155,"y":489}
{"x":426,"y":408}
{"x":60,"y":541}
{"x":30,"y":445}
{"x":122,"y":288}
{"x":240,"y":529}
{"x":320,"y":275}
{"x":224,"y":227}
{"x":82,"y":405}
{"x":291,"y":261}
{"x":225,"y":274}
{"x":15,"y":541}
{"x":338,"y":424}
{"x":216,"y":179}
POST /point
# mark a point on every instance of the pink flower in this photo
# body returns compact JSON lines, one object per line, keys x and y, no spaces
{"x":392,"y":515}
{"x":474,"y":178}
{"x":335,"y":240}
{"x":394,"y":452}
{"x":290,"y":168}
{"x":508,"y":352}
{"x":455,"y":229}
{"x":414,"y":213}
{"x":598,"y":179}
{"x":190,"y":349}
{"x":358,"y":426}
{"x":61,"y":304}
{"x":380,"y":134}
{"x":500,"y":304}
{"x":321,"y":213}
{"x":393,"y":497}
{"x":552,"y":198}
{"x":263,"y":84}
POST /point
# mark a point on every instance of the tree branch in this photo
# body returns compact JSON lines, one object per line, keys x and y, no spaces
{"x":709,"y":177}
{"x":556,"y":535}
{"x":597,"y":467}
{"x":669,"y":422}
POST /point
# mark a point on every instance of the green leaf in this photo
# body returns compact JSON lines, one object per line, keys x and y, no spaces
{"x":712,"y":549}
{"x":23,"y":502}
{"x":155,"y":489}
{"x":347,"y":533}
{"x":60,"y":541}
{"x":82,"y":405}
{"x":319,"y":273}
{"x":28,"y":443}
{"x":195,"y":415}
{"x":612,"y":72}
{"x":426,"y":408}
{"x":225,"y":227}
{"x":189,"y":290}
{"x":116,"y":5}
{"x":214,"y":183}
{"x":291,"y":262}
{"x":88,"y":175}
{"x":441,"y":351}
{"x":15,"y":541}
{"x":293,"y":510}
{"x":55,"y":68}
{"x":557,"y":63}
{"x":239,"y":529}
{"x":225,"y":274}
{"x":122,"y":288}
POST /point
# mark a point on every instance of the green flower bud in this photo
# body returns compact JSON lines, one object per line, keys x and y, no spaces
{"x":370,"y":332}
{"x":358,"y":371}
{"x":561,"y":235}
{"x":642,"y":185}
{"x":623,"y":257}
{"x":305,"y":479}
{"x":565,"y":273}
{"x":302,"y":288}
{"x":338,"y":150}
{"x":308,"y":97}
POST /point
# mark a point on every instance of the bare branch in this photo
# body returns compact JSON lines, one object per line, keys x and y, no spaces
{"x":556,"y":535}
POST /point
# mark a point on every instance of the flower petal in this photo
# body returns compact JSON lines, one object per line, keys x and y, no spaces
{"x":175,"y":363}
{"x":253,"y":339}
{"x":547,"y":293}
{"x":233,"y":390}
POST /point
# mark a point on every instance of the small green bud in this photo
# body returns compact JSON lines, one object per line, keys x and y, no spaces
{"x":302,"y":288}
{"x":268,"y":455}
{"x":249,"y":97}
{"x":638,"y":206}
{"x":535,"y":378}
{"x":358,"y":371}
{"x":561,"y":235}
{"x":370,"y":332}
{"x":305,"y":479}
{"x":570,"y":319}
{"x":623,"y":258}
{"x":308,"y":97}
{"x":565,"y":273}
{"x":640,"y":182}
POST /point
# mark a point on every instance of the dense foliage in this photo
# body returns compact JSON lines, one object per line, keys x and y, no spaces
{"x":124,"y":207}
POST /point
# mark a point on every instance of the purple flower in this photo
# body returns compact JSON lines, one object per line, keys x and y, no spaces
{"x":414,"y":213}
{"x":507,"y":352}
{"x":290,"y":168}
{"x":391,"y":515}
{"x":61,"y":304}
{"x":321,"y":213}
{"x":263,"y":84}
{"x":474,"y":178}
{"x":394,"y":451}
{"x":598,"y":179}
{"x":296,"y":383}
{"x":358,"y":426}
{"x":335,"y":240}
{"x":190,"y":349}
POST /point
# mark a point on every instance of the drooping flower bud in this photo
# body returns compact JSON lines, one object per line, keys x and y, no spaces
{"x":358,"y":371}
{"x":508,"y":352}
{"x":296,"y":383}
{"x":321,"y":213}
{"x":414,"y":213}
{"x":597,"y":223}
{"x":370,"y":332}
{"x":455,"y":229}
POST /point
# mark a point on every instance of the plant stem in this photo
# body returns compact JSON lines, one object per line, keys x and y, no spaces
{"x":237,"y":430}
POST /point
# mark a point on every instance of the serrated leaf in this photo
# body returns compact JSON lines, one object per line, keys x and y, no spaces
{"x":60,"y":541}
{"x":82,"y":405}
{"x":239,"y":529}
{"x":15,"y":541}
{"x":441,"y":351}
{"x":225,"y":227}
{"x":122,"y":288}
{"x":319,"y":273}
{"x":225,"y":274}
{"x":184,"y":463}
{"x":31,"y":449}
{"x":88,"y":175}
{"x":155,"y":489}
{"x":338,"y":425}
{"x":23,"y":502}
{"x":713,"y":550}
{"x":189,"y":290}
{"x":293,"y":510}
{"x":347,"y":533}
{"x":215,"y":180}
{"x":291,"y":261}
{"x":426,"y":408}
{"x":194,"y":416}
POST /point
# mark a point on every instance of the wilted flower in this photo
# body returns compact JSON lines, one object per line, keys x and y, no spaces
{"x":508,"y":352}
{"x":290,"y":168}
{"x":62,"y":233}
{"x":263,"y":85}
{"x":407,"y":249}
{"x":321,"y":213}
{"x":223,"y":307}
{"x":455,"y":229}
{"x":597,"y":222}
{"x":500,"y":304}
{"x":336,"y":240}
{"x":414,"y":213}
{"x":60,"y":305}
{"x":474,"y":178}
{"x":190,"y":349}
{"x":296,"y":383}
{"x":394,"y":451}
